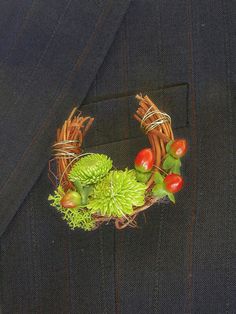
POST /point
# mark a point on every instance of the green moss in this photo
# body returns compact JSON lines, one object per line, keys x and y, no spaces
{"x":78,"y":218}
{"x":117,"y":193}
{"x":75,"y":217}
{"x":55,"y":198}
{"x":90,"y":169}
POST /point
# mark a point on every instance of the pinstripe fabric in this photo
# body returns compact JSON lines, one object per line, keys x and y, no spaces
{"x":181,"y":259}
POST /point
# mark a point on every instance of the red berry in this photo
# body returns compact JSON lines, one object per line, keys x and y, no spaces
{"x":173,"y":182}
{"x":144,"y":160}
{"x":178,"y":148}
{"x":71,"y":199}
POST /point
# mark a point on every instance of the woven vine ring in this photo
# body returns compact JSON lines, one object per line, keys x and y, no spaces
{"x":89,"y":191}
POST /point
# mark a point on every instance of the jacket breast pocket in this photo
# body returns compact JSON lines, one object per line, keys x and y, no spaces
{"x":116,"y":133}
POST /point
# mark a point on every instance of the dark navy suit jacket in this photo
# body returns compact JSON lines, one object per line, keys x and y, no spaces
{"x":98,"y":54}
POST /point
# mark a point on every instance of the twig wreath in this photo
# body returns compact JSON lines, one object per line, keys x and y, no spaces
{"x":89,"y":191}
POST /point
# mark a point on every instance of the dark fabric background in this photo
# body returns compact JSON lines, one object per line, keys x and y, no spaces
{"x":181,"y":259}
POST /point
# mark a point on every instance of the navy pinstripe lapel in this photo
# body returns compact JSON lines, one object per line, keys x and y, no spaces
{"x":38,"y":75}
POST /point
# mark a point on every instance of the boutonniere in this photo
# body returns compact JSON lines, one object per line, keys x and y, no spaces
{"x":90,"y":191}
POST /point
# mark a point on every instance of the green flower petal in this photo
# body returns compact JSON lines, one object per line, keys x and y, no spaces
{"x":90,"y":169}
{"x":117,"y":193}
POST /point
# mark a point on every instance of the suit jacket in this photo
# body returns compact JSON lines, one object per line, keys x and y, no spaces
{"x":98,"y":54}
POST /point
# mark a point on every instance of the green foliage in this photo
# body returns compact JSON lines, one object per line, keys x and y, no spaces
{"x":75,"y":217}
{"x":158,"y":178}
{"x":171,"y":197}
{"x":142,"y":176}
{"x":172,"y":164}
{"x":117,"y":193}
{"x":78,"y":218}
{"x":90,"y":169}
{"x":159,"y":191}
{"x":84,"y":191}
{"x":168,"y":146}
{"x":176,"y":166}
{"x":56,"y":197}
{"x":168,"y":162}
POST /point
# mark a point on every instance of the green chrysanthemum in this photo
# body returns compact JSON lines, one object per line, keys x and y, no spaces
{"x":75,"y":217}
{"x":117,"y":193}
{"x":90,"y":169}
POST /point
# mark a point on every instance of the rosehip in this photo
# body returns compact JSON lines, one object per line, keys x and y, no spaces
{"x":144,"y":160}
{"x":71,"y":199}
{"x":178,"y":148}
{"x":173,"y":182}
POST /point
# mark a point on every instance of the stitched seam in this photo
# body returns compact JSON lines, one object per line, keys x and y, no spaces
{"x":47,"y":120}
{"x":131,"y":93}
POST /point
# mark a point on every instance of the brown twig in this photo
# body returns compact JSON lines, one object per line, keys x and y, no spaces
{"x":68,"y":146}
{"x":70,"y":137}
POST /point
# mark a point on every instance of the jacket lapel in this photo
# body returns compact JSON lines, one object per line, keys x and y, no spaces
{"x":48,"y":66}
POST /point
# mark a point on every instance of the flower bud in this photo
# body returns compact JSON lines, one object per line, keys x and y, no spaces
{"x":71,"y":199}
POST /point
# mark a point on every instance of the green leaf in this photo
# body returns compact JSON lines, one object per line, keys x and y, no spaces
{"x":178,"y":161}
{"x":169,"y":162}
{"x":175,"y":169}
{"x":159,"y":191}
{"x":171,"y":197}
{"x":176,"y":166}
{"x":142,"y":176}
{"x":158,"y":178}
{"x":168,"y":146}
